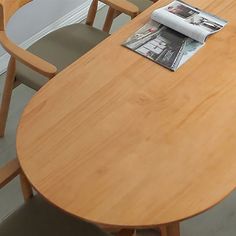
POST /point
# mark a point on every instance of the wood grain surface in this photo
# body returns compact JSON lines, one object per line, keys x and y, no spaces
{"x":119,"y":140}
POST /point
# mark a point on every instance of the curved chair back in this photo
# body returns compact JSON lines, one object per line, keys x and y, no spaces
{"x":115,"y":9}
{"x":8,"y":8}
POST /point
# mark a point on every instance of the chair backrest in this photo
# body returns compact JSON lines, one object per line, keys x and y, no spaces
{"x":116,"y":7}
{"x":93,"y":10}
{"x":8,"y":8}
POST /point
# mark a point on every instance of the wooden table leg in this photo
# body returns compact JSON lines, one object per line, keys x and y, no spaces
{"x":173,"y":229}
{"x":169,"y":230}
{"x":126,"y":232}
{"x":26,"y":187}
{"x":163,"y":230}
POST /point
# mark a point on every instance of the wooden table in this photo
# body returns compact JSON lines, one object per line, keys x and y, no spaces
{"x":121,"y":141}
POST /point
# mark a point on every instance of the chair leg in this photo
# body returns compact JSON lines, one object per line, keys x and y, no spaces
{"x":163,"y":230}
{"x":26,"y":187}
{"x":109,"y":20}
{"x":169,"y":230}
{"x":7,"y":92}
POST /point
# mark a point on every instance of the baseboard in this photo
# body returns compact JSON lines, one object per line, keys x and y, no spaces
{"x":76,"y":15}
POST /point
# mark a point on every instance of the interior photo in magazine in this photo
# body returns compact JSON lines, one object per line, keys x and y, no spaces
{"x":194,"y":17}
{"x":162,"y":45}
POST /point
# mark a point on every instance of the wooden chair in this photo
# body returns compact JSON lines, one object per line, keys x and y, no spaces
{"x":113,"y":13}
{"x":50,"y":54}
{"x":36,"y":217}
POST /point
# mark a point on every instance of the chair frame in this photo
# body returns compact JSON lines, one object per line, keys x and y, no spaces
{"x":9,"y":172}
{"x":113,"y":13}
{"x":114,"y":10}
{"x":7,"y":9}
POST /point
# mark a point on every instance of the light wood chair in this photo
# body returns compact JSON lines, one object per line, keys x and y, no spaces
{"x":113,"y":13}
{"x":36,"y":217}
{"x":40,"y":62}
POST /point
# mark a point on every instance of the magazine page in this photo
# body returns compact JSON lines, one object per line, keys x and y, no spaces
{"x":188,"y":20}
{"x":162,"y":45}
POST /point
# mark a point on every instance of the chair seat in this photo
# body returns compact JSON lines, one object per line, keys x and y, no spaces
{"x":142,"y":4}
{"x":61,"y":48}
{"x":38,"y":218}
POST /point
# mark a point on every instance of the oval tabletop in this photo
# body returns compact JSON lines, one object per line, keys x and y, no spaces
{"x":119,"y":140}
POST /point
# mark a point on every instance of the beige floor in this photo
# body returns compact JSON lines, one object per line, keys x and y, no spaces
{"x":219,"y":221}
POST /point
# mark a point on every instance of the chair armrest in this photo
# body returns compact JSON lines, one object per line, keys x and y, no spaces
{"x":9,"y":172}
{"x":123,"y":6}
{"x":34,"y":62}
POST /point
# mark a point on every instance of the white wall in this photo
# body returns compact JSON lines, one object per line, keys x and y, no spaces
{"x":36,"y":15}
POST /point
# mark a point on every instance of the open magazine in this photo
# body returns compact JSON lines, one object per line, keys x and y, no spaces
{"x":174,"y":34}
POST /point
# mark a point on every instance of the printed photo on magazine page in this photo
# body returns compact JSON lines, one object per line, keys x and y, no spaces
{"x":162,"y":45}
{"x":196,"y":17}
{"x":188,"y":20}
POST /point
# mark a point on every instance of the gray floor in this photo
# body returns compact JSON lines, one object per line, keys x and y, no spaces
{"x":219,"y":221}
